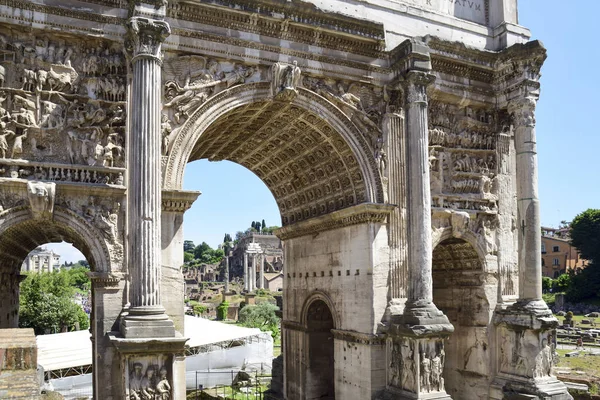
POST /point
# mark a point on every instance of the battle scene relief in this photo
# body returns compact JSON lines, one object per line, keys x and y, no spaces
{"x":62,"y":108}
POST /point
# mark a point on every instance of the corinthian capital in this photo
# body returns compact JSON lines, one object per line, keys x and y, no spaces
{"x":146,"y":36}
{"x":415,"y":85}
{"x":522,"y":111}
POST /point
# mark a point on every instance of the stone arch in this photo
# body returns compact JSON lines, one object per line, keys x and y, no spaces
{"x":318,"y":295}
{"x":346,"y":171}
{"x":445,"y":234}
{"x":320,"y":374}
{"x":20,"y":233}
{"x":464,"y":289}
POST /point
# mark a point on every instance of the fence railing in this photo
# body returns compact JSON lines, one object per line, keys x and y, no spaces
{"x":230,"y":385}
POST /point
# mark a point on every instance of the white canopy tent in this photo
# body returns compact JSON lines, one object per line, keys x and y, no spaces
{"x":215,"y":349}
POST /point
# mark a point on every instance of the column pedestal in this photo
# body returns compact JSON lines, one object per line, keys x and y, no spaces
{"x":526,"y":338}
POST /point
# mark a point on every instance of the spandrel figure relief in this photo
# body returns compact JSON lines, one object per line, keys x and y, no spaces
{"x":191,"y":80}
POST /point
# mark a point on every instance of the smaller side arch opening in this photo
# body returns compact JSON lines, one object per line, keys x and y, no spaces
{"x":19,"y":235}
{"x":462,"y":291}
{"x":320,"y":382}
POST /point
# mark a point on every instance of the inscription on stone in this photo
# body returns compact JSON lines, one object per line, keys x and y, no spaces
{"x":470,"y":10}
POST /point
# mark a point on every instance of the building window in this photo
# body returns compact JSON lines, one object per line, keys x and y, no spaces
{"x":543,"y":263}
{"x":543,"y":248}
{"x":555,"y":262}
{"x":555,"y":249}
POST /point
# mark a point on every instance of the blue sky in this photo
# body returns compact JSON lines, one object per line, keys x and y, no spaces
{"x":568,"y":141}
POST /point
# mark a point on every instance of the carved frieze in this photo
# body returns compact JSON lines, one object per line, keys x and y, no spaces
{"x":62,"y":101}
{"x":463,"y":157}
{"x":416,"y":365}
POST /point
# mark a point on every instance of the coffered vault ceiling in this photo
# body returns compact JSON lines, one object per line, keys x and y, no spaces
{"x":306,"y":164}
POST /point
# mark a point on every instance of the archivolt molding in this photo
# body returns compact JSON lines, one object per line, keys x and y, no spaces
{"x":324,"y":297}
{"x":184,"y":145}
{"x":470,"y":239}
{"x":70,"y":226}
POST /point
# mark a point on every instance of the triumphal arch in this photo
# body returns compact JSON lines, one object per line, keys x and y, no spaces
{"x":397,"y":137}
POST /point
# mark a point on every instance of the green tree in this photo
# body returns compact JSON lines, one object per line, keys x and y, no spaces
{"x":562,"y":283}
{"x":261,"y":315}
{"x":188,"y":246}
{"x":79,"y":278}
{"x":263,"y":225}
{"x":270,"y":229}
{"x":201,"y":249}
{"x":546,"y":284}
{"x":46,"y":304}
{"x":585,"y":234}
{"x":187,"y":257}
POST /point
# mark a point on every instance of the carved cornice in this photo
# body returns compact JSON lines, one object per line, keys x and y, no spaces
{"x":360,"y":214}
{"x":105,"y":279}
{"x":293,"y":325}
{"x":178,"y":200}
{"x":68,"y":12}
{"x":410,"y":55}
{"x":295,"y":22}
{"x":234,"y":41}
{"x":357,"y":337}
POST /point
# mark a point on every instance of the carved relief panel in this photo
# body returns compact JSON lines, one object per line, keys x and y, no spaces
{"x":462,"y":157}
{"x":62,"y":103}
{"x":149,"y":377}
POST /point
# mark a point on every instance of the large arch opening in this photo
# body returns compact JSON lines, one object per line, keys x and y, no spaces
{"x":459,"y":290}
{"x":320,"y":382}
{"x":316,"y":163}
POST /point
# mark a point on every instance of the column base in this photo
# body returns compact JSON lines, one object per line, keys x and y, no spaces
{"x":421,"y":320}
{"x":144,"y":322}
{"x":526,"y":337}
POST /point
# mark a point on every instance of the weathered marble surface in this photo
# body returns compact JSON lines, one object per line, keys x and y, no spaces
{"x":403,"y":164}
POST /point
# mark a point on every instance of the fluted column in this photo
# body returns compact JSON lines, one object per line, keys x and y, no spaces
{"x":246,"y":278}
{"x":528,"y":208}
{"x":419,"y":241}
{"x":144,"y":163}
{"x":253,"y":273}
{"x":261,"y":285}
{"x":227,"y":273}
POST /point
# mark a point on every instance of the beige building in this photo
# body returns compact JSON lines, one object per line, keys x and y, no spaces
{"x":41,"y":260}
{"x":274,"y":281}
{"x":558,"y":255}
